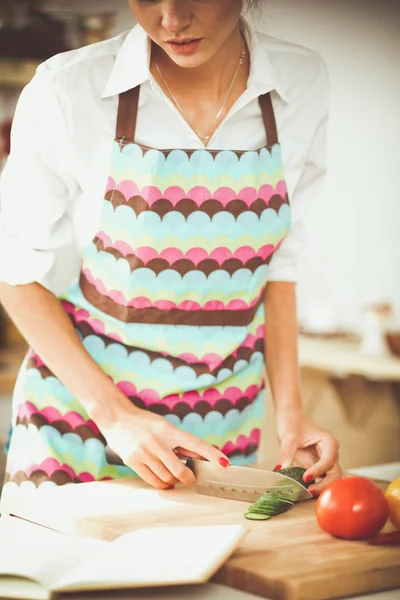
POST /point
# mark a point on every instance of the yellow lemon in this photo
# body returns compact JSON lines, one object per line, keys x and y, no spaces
{"x":392,"y":496}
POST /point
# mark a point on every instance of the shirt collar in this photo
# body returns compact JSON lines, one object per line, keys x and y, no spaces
{"x":132,"y":64}
{"x":262,"y":76}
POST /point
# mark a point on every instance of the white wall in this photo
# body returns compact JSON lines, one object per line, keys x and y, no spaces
{"x":353,"y":255}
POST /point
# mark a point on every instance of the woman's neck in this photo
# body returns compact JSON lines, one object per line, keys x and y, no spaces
{"x":210,"y":79}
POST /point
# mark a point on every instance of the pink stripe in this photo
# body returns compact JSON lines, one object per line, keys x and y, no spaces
{"x":110,"y":184}
{"x":196,"y":255}
{"x":251,"y":339}
{"x":86,"y":477}
{"x":242,"y":443}
{"x":38,"y":361}
{"x":124,"y":248}
{"x":128,"y":189}
{"x":211,"y":360}
{"x":82,"y":315}
{"x":104,"y":238}
{"x":211,"y":395}
{"x":141,"y":302}
{"x":49,"y":466}
{"x":281,"y":189}
{"x":199,"y":194}
{"x":51,"y":414}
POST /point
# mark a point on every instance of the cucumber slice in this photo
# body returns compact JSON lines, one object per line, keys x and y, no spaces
{"x":269,"y":505}
{"x":257,"y":516}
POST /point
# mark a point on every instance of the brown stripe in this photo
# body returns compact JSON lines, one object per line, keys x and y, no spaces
{"x":184,"y":265}
{"x":200,"y":368}
{"x":43,"y":370}
{"x":186,"y":206}
{"x":84,"y":431}
{"x":250,"y":449}
{"x":38,"y":477}
{"x":202,"y":408}
{"x":174,"y":316}
{"x":245,"y":352}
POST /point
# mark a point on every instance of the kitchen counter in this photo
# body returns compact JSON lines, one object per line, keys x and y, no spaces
{"x":289,"y":554}
{"x":345,"y":358}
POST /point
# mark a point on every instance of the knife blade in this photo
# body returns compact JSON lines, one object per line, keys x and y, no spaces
{"x":244,"y":483}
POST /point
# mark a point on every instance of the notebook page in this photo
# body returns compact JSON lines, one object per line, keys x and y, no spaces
{"x":14,"y":588}
{"x":41,"y":554}
{"x":158,"y":556}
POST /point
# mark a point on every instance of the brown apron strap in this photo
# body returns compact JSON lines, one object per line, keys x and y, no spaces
{"x":269,"y":119}
{"x":127,"y":114}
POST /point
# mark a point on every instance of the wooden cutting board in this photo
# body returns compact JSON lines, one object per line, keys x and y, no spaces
{"x":286,"y":558}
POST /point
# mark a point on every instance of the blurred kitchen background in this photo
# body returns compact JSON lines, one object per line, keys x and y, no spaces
{"x":349,"y":290}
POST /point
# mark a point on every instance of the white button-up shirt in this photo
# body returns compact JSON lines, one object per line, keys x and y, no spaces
{"x":53,"y":185}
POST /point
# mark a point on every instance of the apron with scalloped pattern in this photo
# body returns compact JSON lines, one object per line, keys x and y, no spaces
{"x":169,"y":303}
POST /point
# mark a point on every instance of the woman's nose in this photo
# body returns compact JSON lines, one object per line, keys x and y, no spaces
{"x":176,"y":15}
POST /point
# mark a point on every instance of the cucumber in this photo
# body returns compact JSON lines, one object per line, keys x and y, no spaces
{"x":257,"y":516}
{"x":296,"y":473}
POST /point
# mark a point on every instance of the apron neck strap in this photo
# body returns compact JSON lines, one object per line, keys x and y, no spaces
{"x":127,"y":114}
{"x":268,"y":116}
{"x":128,"y":110}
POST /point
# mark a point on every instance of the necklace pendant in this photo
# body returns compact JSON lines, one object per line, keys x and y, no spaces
{"x":206,"y":139}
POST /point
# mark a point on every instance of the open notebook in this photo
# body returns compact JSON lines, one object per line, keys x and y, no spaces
{"x":38,"y":563}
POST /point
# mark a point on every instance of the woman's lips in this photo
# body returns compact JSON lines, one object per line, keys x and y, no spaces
{"x":188,"y":47}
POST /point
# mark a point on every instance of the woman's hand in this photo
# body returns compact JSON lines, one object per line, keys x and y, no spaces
{"x":149,"y":444}
{"x":309,"y":445}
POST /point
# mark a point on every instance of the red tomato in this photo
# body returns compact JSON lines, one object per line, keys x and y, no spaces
{"x":352,"y":508}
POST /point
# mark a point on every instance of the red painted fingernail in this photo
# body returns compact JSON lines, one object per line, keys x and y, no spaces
{"x":170,"y":487}
{"x":308,"y":478}
{"x":224,"y":462}
{"x":314,"y":493}
{"x":278,"y":468}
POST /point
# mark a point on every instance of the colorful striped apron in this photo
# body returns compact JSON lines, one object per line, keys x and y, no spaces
{"x":169,"y":303}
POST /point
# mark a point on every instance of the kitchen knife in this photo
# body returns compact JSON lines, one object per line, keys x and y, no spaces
{"x":244,"y":483}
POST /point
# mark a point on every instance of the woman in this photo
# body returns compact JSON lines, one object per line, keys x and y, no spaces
{"x":147,"y":310}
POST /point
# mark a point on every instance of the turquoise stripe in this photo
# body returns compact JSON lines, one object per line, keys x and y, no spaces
{"x":201,"y":162}
{"x":242,"y":461}
{"x":198,"y":224}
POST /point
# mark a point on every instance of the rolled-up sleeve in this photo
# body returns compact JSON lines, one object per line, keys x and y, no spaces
{"x":283,"y":266}
{"x":36,"y":187}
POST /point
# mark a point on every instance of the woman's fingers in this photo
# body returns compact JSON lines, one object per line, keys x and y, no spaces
{"x":327,"y":459}
{"x":201,"y":448}
{"x":332,"y":475}
{"x":149,"y":477}
{"x":175,"y":466}
{"x":156,"y":463}
{"x":306,"y":457}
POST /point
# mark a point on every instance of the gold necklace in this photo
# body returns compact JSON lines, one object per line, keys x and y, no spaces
{"x":205,"y":138}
